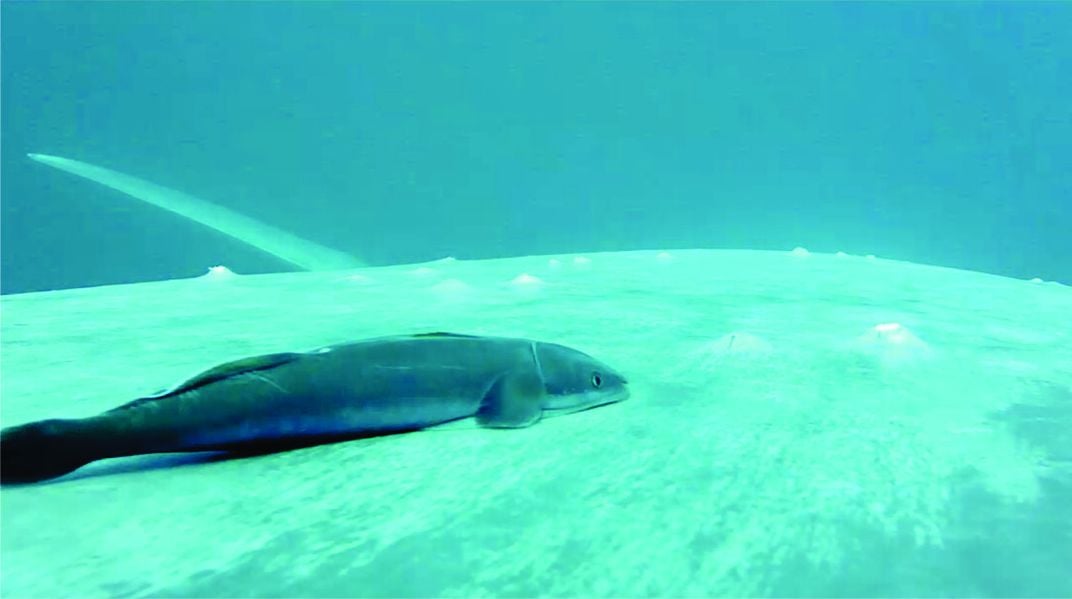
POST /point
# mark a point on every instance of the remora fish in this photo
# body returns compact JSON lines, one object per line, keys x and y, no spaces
{"x":369,"y":387}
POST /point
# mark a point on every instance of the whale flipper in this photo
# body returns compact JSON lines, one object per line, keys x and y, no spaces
{"x":286,"y":246}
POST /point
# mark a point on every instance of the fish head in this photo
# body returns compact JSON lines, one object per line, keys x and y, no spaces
{"x":575,"y":381}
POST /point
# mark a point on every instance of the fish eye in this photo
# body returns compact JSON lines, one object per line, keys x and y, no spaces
{"x":597,"y":380}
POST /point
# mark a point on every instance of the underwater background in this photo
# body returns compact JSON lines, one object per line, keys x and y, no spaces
{"x":801,"y":423}
{"x":399,"y":132}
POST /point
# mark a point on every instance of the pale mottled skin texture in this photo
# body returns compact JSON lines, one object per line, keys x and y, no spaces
{"x":805,"y":459}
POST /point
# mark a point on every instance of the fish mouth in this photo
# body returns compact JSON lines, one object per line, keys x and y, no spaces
{"x":591,"y":402}
{"x":619,"y":395}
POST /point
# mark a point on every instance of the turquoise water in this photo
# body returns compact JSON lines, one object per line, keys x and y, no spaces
{"x":801,"y":424}
{"x":936,"y":132}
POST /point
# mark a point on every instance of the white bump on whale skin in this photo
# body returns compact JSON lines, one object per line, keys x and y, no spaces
{"x":893,"y":343}
{"x":1037,"y":280}
{"x":871,"y":257}
{"x":452,"y":287}
{"x":526,"y":280}
{"x":841,"y":255}
{"x":218,"y":273}
{"x":800,"y":252}
{"x":664,"y":257}
{"x":581,"y":262}
{"x":446,"y":261}
{"x":423,"y":271}
{"x":554,"y":263}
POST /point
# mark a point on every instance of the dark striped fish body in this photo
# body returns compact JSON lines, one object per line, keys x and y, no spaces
{"x":369,"y":387}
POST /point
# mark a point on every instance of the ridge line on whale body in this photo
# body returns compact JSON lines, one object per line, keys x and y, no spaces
{"x":375,"y":386}
{"x":274,"y":241}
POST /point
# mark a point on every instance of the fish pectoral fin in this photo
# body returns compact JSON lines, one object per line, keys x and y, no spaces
{"x":515,"y":400}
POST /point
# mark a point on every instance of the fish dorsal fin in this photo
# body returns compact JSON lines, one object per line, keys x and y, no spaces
{"x":218,"y":373}
{"x":235,"y":367}
{"x":444,"y":334}
{"x":515,"y":400}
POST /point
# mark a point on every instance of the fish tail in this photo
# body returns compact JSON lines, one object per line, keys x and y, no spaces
{"x":46,"y":449}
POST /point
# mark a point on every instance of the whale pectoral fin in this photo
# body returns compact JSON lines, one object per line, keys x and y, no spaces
{"x":514,"y":401}
{"x":276,"y":242}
